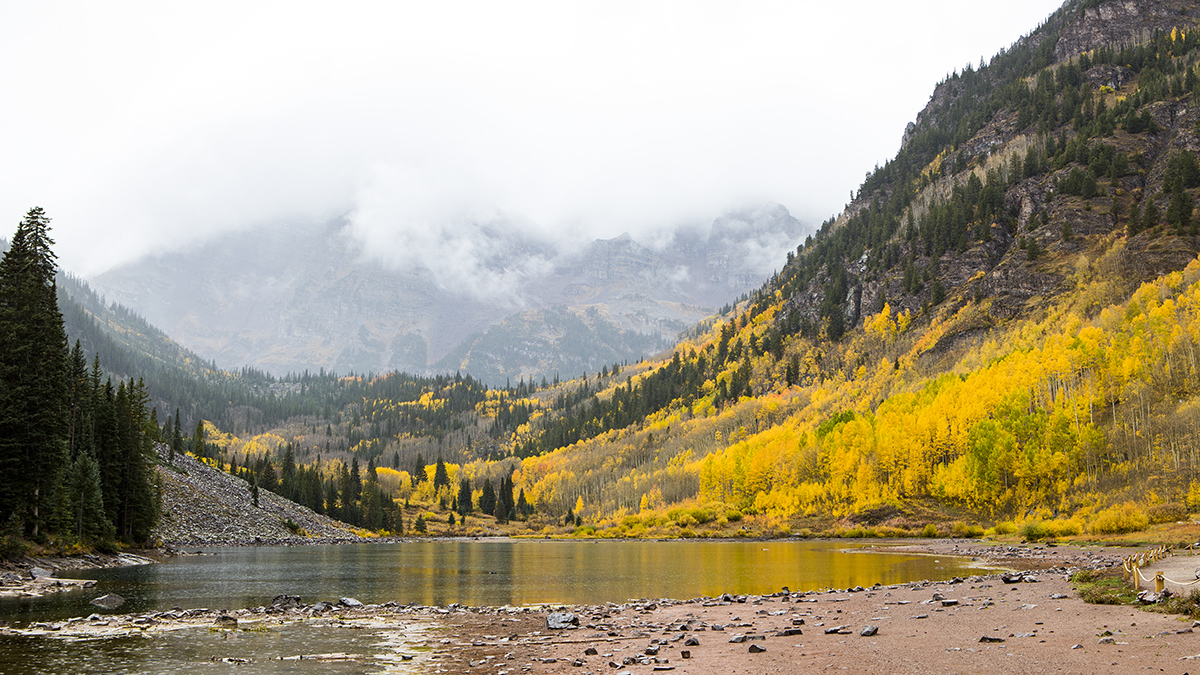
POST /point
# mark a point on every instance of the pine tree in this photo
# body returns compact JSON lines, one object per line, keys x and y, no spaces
{"x":176,"y":438}
{"x":440,"y":476}
{"x":34,"y":386}
{"x":487,"y":500}
{"x":464,"y":497}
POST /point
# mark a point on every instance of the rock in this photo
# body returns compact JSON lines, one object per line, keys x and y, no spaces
{"x":286,"y":601}
{"x":1149,"y":597}
{"x":988,"y":638}
{"x":869,"y":631}
{"x":40,"y":573}
{"x":691,"y":642}
{"x":1011,"y":578}
{"x":350,"y":602}
{"x":738,"y":639}
{"x":577,"y":663}
{"x":757,"y":649}
{"x":561,"y":620}
{"x":1029,"y":579}
{"x":321,"y":607}
{"x":109,"y":601}
{"x":685,"y":654}
{"x":789,"y":632}
{"x":652,"y":651}
{"x":1059,"y":596}
{"x":1107,"y":641}
{"x":590,"y":651}
{"x":10,"y":578}
{"x":949,"y":603}
{"x":226,"y":621}
{"x":938,"y":597}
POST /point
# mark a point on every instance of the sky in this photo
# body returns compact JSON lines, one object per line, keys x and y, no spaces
{"x":145,"y":127}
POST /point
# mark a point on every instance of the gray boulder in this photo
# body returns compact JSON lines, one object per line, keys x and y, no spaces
{"x":40,"y":573}
{"x":108,"y":601}
{"x":561,"y":620}
{"x":350,"y":602}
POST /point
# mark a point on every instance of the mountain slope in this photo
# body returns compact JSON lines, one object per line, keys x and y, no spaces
{"x":295,"y":296}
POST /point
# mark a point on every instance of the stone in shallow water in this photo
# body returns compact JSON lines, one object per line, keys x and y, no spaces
{"x":109,"y":601}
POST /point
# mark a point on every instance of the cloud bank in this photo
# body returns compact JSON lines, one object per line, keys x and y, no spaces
{"x":143,"y":127}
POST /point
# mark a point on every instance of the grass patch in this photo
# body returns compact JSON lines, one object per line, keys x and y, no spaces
{"x":1103,"y":587}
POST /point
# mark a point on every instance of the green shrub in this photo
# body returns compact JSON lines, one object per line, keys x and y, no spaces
{"x":1006,"y":527}
{"x":733,"y":515}
{"x":961,"y":529}
{"x":1126,"y":517}
{"x":930,"y":531}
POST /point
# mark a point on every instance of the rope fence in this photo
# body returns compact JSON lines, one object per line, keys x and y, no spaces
{"x":1131,"y":568}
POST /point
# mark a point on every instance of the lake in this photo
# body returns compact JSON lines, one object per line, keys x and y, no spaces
{"x":484,"y":572}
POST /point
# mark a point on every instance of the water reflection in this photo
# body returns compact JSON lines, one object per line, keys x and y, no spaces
{"x":488,"y":572}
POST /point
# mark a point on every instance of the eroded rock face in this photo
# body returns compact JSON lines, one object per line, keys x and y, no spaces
{"x":1114,"y":23}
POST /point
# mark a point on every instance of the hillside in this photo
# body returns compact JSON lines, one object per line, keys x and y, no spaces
{"x":206,"y":507}
{"x":1000,"y":327}
{"x":1000,"y":330}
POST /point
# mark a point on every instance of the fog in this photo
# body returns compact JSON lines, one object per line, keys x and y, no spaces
{"x":147,"y":127}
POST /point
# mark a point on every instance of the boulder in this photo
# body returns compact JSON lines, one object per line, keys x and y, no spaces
{"x":350,"y":602}
{"x":286,"y":601}
{"x":869,"y":631}
{"x":561,"y":621}
{"x":40,"y":573}
{"x":108,"y":601}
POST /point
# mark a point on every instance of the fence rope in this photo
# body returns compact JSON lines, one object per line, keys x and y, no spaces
{"x":1134,"y":564}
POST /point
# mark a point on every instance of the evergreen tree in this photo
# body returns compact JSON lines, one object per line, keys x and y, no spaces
{"x":440,"y":476}
{"x":198,"y":440}
{"x":487,"y":500}
{"x":176,"y":437}
{"x":464,"y":497}
{"x":34,"y":384}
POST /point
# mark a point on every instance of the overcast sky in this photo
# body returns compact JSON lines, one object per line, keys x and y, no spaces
{"x":143,"y":127}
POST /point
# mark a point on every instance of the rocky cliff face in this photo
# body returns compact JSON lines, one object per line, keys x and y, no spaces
{"x":1066,"y":231}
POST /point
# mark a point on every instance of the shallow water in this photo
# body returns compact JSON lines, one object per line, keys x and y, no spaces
{"x":485,"y":572}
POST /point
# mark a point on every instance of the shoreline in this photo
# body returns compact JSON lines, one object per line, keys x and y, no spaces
{"x":1028,"y":621}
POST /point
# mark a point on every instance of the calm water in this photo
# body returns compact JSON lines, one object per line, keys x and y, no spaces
{"x":488,"y":572}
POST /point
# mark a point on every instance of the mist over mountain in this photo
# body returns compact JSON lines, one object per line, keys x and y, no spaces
{"x":492,"y":295}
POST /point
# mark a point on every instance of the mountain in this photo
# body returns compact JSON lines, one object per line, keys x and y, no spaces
{"x":295,"y":296}
{"x":1000,"y":331}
